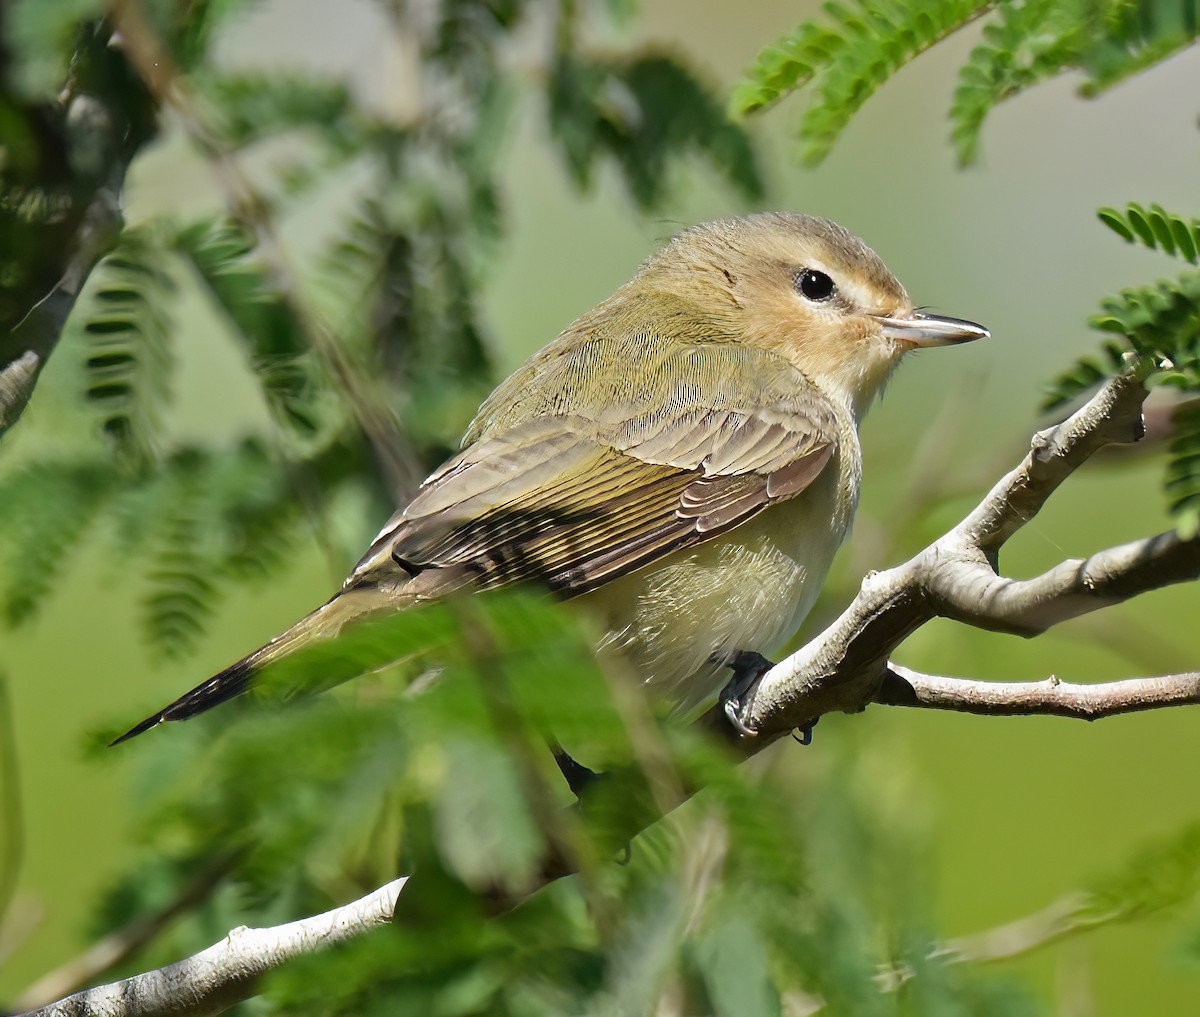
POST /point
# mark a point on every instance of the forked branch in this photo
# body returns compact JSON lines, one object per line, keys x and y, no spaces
{"x":845,"y":668}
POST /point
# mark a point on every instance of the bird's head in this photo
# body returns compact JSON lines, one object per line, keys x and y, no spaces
{"x":808,"y":290}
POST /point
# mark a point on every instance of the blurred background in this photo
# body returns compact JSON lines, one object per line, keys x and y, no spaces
{"x":1008,"y":814}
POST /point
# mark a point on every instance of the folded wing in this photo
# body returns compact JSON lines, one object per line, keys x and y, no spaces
{"x":573,"y":503}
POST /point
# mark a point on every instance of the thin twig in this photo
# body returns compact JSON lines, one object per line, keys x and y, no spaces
{"x":26,"y":348}
{"x":904,"y":687}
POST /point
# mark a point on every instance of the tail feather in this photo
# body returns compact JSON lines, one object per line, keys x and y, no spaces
{"x":323,"y":623}
{"x":220,"y":688}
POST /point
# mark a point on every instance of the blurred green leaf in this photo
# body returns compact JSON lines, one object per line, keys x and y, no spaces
{"x":47,"y":509}
{"x":128,"y":335}
{"x":732,"y":960}
{"x":646,"y":111}
{"x":486,"y":832}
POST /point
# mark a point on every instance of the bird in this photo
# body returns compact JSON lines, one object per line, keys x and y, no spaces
{"x":683,"y":460}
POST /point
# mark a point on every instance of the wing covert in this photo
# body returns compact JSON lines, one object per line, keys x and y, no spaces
{"x":573,"y":502}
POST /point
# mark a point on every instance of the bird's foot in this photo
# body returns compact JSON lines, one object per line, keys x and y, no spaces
{"x":576,"y":774}
{"x":735,"y":698}
{"x":748,"y":668}
{"x":803,"y":734}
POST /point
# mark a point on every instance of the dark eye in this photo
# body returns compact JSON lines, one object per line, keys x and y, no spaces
{"x":815,"y":285}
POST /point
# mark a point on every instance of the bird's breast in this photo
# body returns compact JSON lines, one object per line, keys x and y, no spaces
{"x":748,"y":589}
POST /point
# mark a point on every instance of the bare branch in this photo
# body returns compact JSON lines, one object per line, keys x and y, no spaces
{"x":119,"y":946}
{"x":1112,"y":417}
{"x":1056,"y":920}
{"x":971,"y":591}
{"x":956,"y":577}
{"x":227,"y":972}
{"x":1052,"y":697}
{"x":843,"y":669}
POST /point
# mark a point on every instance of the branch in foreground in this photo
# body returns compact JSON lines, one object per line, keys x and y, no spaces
{"x":1052,"y":697}
{"x":117,"y":947}
{"x":843,"y":669}
{"x":228,"y":971}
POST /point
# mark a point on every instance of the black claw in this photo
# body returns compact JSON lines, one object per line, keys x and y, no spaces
{"x":576,"y":774}
{"x":804,"y":734}
{"x":735,"y":698}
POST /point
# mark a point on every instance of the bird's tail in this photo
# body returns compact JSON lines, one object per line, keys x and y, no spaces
{"x":324,"y":623}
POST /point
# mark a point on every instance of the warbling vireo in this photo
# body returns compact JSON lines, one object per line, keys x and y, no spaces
{"x":684,"y":457}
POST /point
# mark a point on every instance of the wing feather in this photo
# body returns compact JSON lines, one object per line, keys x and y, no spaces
{"x":574,"y":501}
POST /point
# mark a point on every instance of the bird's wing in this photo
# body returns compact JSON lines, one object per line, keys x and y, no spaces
{"x":573,"y":504}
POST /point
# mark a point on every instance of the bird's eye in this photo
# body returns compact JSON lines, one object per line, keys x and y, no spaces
{"x":815,"y":285}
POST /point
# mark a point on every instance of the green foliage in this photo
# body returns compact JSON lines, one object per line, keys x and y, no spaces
{"x":751,"y":894}
{"x":1023,"y":45}
{"x":386,"y":355}
{"x":756,"y":896}
{"x":1160,"y":321}
{"x":127,"y":331}
{"x":1155,"y":228}
{"x":401,"y":280}
{"x":42,"y":37}
{"x":1162,"y":875}
{"x":1133,"y":36}
{"x":206,"y":519}
{"x":47,"y":509}
{"x":249,"y":108}
{"x":846,"y":59}
{"x":264,"y":320}
{"x":645,"y":111}
{"x":849,"y":54}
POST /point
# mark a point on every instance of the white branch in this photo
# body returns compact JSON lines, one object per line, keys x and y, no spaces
{"x":1052,"y":697}
{"x":845,"y":668}
{"x":227,"y":972}
{"x":958,"y":577}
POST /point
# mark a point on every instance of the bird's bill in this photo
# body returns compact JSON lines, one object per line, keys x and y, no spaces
{"x":923,"y":330}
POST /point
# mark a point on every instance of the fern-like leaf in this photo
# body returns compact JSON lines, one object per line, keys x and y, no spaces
{"x":191,"y":28}
{"x":1155,"y":228}
{"x":846,"y":56}
{"x":263,"y":319}
{"x":253,"y":512}
{"x":248,"y":108}
{"x":786,"y":65}
{"x":847,"y":59}
{"x":210,"y":517}
{"x":181,"y":591}
{"x":127,"y":333}
{"x":1182,"y":482}
{"x":1161,"y":876}
{"x":1160,"y":321}
{"x":645,"y":111}
{"x":46,"y":508}
{"x":1026,"y":44}
{"x":1135,"y":36}
{"x":401,"y":283}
